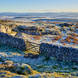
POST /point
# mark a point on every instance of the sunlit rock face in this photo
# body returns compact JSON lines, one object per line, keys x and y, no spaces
{"x":7,"y":29}
{"x":11,"y":41}
{"x":2,"y":28}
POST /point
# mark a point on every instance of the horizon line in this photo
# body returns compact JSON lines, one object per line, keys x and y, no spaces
{"x":39,"y":12}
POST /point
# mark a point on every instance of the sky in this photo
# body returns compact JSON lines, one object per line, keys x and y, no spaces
{"x":38,"y":5}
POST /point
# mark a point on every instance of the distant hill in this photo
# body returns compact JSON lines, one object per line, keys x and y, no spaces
{"x":40,"y":14}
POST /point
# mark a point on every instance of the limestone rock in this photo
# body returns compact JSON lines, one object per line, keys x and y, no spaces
{"x":11,"y":41}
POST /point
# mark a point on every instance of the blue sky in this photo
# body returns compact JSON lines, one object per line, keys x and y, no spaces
{"x":38,"y":5}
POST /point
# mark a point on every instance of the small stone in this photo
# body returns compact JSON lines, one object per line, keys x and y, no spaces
{"x":0,"y":62}
{"x":26,"y":69}
{"x":75,"y":67}
{"x":2,"y":76}
{"x":74,"y":74}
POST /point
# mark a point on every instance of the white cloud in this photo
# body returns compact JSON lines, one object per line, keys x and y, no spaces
{"x":42,"y":11}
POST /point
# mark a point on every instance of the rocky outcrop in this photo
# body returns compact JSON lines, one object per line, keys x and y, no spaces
{"x":11,"y":41}
{"x":24,"y":69}
{"x":59,"y":52}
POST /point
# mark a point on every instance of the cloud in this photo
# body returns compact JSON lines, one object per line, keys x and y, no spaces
{"x":47,"y":10}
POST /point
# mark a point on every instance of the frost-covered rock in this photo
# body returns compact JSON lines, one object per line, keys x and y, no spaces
{"x":22,"y":69}
{"x":63,"y":53}
{"x":11,"y":41}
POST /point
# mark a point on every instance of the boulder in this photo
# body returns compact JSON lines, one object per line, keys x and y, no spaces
{"x":23,"y":69}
